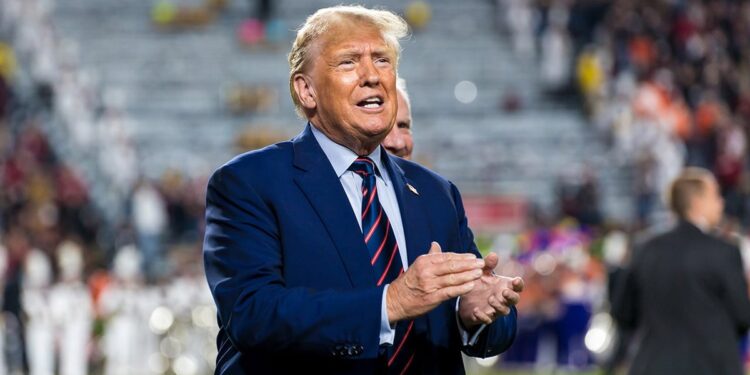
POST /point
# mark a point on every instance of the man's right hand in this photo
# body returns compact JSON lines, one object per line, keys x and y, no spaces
{"x":433,"y":278}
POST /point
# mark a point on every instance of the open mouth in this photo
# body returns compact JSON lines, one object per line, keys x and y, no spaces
{"x":373,"y":102}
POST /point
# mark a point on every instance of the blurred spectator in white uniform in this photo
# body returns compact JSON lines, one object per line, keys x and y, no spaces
{"x":72,"y":311}
{"x":3,"y":327}
{"x":40,"y":344}
{"x":127,"y":343}
{"x":520,"y":19}
{"x":149,"y":217}
{"x":556,"y":50}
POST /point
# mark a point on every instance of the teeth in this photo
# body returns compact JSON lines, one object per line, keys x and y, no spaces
{"x":372,"y":105}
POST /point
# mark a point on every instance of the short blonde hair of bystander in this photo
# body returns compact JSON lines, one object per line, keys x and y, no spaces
{"x":688,"y":185}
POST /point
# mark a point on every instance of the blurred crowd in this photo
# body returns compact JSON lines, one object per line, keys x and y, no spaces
{"x":666,"y":83}
{"x":563,"y":269}
{"x":676,"y":93}
{"x":87,"y":289}
{"x":78,"y":297}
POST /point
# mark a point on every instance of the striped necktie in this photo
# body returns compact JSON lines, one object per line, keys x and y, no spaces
{"x":385,"y":260}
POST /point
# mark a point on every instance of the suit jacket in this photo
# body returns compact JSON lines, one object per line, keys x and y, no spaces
{"x":290,"y":274}
{"x":686,"y":292}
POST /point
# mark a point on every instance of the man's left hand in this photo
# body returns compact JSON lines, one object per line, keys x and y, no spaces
{"x":492,"y":296}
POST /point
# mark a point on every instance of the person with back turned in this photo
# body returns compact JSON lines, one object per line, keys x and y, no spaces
{"x":327,"y":255}
{"x":685,"y":290}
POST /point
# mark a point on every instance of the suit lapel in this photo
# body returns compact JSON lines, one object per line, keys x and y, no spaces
{"x":413,"y":215}
{"x":318,"y":181}
{"x":415,"y":221}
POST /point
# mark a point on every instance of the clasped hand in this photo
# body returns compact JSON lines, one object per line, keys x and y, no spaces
{"x":436,"y":277}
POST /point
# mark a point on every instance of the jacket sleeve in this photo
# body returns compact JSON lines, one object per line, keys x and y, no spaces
{"x":498,"y":336}
{"x":243,"y":262}
{"x":734,"y":285}
{"x":625,"y":308}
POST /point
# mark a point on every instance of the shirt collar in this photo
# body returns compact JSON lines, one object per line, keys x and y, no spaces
{"x":341,"y":158}
{"x":701,"y":224}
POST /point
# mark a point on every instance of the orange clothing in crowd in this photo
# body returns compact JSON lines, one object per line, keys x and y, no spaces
{"x":642,"y":51}
{"x":707,"y":115}
{"x":650,"y":101}
{"x":679,"y":117}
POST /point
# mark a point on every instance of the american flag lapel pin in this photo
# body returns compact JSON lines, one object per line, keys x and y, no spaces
{"x":412,"y":188}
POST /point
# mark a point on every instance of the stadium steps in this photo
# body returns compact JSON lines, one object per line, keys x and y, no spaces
{"x":172,"y":85}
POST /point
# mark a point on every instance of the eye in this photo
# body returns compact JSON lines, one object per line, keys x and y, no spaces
{"x":383,"y":60}
{"x":403,"y":125}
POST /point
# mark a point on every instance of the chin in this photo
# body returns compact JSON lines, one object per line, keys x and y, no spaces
{"x":376,"y":127}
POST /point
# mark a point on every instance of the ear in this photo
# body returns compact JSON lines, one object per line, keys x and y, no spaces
{"x":305,"y":91}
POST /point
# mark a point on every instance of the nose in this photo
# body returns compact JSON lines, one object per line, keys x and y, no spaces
{"x":368,"y":73}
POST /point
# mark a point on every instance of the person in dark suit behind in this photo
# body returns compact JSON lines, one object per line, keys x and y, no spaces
{"x":324,"y":253}
{"x":685,"y":290}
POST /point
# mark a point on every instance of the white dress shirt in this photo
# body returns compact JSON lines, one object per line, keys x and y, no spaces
{"x":341,"y":158}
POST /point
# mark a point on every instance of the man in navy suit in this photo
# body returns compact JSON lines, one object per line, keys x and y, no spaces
{"x":324,"y":253}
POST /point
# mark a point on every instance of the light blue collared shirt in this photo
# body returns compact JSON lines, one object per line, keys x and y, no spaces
{"x":341,"y":158}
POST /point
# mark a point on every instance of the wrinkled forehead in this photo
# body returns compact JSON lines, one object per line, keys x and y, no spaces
{"x":352,"y":33}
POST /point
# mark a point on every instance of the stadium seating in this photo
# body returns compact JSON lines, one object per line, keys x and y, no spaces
{"x":173,"y":83}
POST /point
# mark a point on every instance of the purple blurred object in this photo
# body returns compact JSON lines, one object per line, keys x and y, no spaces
{"x":251,"y":31}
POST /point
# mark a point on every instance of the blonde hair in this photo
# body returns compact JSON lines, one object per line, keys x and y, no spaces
{"x":689,"y":184}
{"x":401,"y":87}
{"x":391,"y":26}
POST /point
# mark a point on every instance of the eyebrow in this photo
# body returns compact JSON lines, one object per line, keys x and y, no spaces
{"x":347,"y":53}
{"x":351,"y":52}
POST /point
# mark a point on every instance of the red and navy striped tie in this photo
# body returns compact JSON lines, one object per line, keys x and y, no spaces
{"x":385,"y":260}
